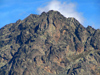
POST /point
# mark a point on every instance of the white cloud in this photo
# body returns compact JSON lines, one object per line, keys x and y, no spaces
{"x":67,"y":9}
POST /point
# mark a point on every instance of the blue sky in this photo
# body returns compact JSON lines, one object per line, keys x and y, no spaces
{"x":86,"y":11}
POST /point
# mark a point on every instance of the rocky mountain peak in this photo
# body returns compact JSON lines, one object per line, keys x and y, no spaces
{"x":49,"y":44}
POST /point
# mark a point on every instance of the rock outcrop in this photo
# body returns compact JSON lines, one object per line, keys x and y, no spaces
{"x":49,"y":44}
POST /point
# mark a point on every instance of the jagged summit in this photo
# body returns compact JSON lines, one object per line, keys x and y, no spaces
{"x":51,"y":12}
{"x":49,"y":44}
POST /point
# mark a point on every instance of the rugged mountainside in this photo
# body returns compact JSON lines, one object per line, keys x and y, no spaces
{"x":49,"y":44}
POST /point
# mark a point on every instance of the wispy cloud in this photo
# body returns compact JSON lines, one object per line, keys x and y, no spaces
{"x":67,"y":9}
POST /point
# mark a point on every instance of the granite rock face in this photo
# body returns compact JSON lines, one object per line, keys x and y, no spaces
{"x":49,"y":44}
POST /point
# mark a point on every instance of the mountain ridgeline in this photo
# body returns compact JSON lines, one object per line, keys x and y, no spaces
{"x":49,"y":44}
